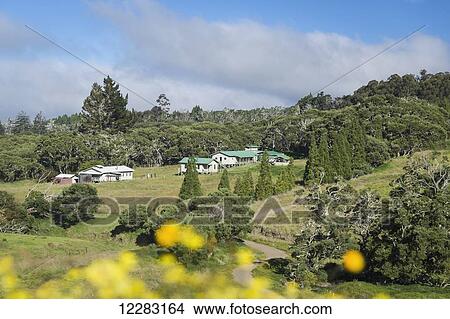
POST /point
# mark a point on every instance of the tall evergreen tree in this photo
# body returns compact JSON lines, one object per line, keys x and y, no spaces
{"x":224,"y":181}
{"x":357,"y":139}
{"x":21,"y":124}
{"x":290,"y":174}
{"x":340,"y":155}
{"x":283,"y":184}
{"x":248,"y":185}
{"x":105,"y":109}
{"x":312,"y":164}
{"x":2,"y":129}
{"x":39,"y":124}
{"x":238,"y":187}
{"x":191,"y":184}
{"x":264,"y":187}
{"x":324,"y":158}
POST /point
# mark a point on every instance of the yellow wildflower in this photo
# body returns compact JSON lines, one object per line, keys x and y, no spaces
{"x":244,"y":256}
{"x":354,"y":261}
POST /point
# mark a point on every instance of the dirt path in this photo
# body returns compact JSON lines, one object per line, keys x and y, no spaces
{"x":243,"y":274}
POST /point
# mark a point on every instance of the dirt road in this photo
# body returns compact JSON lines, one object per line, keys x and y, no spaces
{"x":243,"y":274}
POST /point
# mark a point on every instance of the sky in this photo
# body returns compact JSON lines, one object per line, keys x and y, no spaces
{"x":216,"y":54}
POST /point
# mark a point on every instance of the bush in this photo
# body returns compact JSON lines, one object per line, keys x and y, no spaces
{"x":13,"y":218}
{"x":75,"y":204}
{"x":37,"y":205}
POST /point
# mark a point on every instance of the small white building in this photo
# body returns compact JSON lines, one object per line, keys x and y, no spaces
{"x":235,"y":158}
{"x":203,"y":165}
{"x":65,"y":179}
{"x":99,"y":173}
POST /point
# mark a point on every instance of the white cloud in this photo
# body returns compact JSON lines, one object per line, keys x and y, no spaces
{"x":215,"y":64}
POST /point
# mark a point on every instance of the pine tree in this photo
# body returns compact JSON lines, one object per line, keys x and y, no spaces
{"x":312,"y":164}
{"x":105,"y":109}
{"x":21,"y":124}
{"x":290,"y":174}
{"x":357,"y":140}
{"x":2,"y":129}
{"x":191,"y":184}
{"x":39,"y":124}
{"x":324,"y":158}
{"x":224,"y":181}
{"x":282,"y":184}
{"x":238,"y":187}
{"x":264,"y":187}
{"x":248,"y":185}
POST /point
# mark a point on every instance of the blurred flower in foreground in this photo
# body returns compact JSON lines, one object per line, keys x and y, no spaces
{"x":354,"y":261}
{"x":169,"y":235}
{"x":244,"y":256}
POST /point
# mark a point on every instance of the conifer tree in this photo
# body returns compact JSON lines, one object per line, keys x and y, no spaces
{"x":324,"y":158}
{"x":264,"y":187}
{"x":191,"y":184}
{"x":2,"y":129}
{"x":357,"y":140}
{"x":340,"y":155}
{"x":238,"y":186}
{"x":21,"y":124}
{"x":105,"y":109}
{"x":290,"y":174}
{"x":224,"y":181}
{"x":39,"y":124}
{"x":282,"y":184}
{"x":248,"y":186}
{"x":312,"y":164}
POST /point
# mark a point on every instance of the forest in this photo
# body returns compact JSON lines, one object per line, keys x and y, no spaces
{"x":390,"y":118}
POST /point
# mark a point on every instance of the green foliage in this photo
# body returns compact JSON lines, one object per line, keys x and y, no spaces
{"x":18,"y":158}
{"x":2,"y":129}
{"x":63,"y":152}
{"x":224,"y":181}
{"x":21,"y":124}
{"x":105,"y":109}
{"x":312,"y":172}
{"x":244,"y":185}
{"x":13,"y":218}
{"x":39,"y":124}
{"x":37,"y":204}
{"x":324,"y":158}
{"x":411,"y":243}
{"x":264,"y":187}
{"x":340,"y":155}
{"x":191,"y":184}
{"x":76,"y":203}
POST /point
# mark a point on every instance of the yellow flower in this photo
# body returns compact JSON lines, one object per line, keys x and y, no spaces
{"x":167,"y":259}
{"x":9,"y":281}
{"x":191,"y":239}
{"x":244,"y":257}
{"x":127,"y":260}
{"x":291,"y":290}
{"x":168,"y":235}
{"x":354,"y":261}
{"x":6,"y":264}
{"x":381,"y":295}
{"x":175,"y":274}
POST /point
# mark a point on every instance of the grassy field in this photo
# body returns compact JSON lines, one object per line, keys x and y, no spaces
{"x":50,"y":255}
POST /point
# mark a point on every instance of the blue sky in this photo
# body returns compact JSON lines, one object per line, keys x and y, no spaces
{"x":213,"y":53}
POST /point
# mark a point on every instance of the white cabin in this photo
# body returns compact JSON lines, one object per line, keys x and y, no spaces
{"x":235,"y":158}
{"x":203,"y":165}
{"x":99,"y":173}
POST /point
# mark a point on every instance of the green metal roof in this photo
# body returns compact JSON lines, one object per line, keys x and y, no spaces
{"x":240,"y":154}
{"x":198,"y":160}
{"x":274,"y":154}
